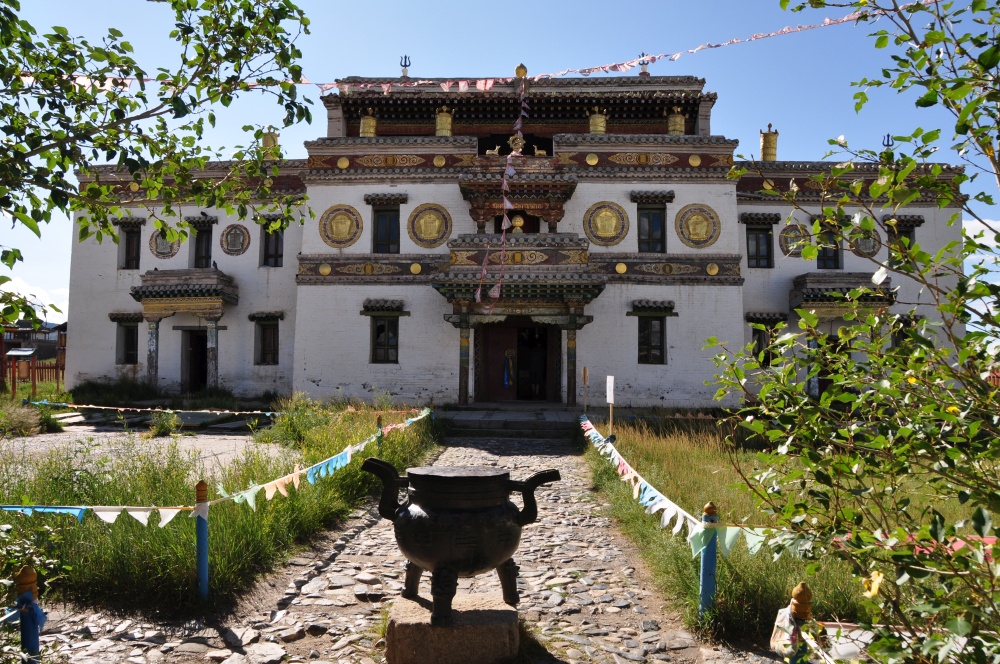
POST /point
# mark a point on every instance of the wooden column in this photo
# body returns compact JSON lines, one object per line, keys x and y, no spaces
{"x":463,"y":362}
{"x":153,"y":351}
{"x":212,"y":351}
{"x":571,"y":366}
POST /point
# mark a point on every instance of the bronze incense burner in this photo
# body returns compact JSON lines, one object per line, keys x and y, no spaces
{"x":457,"y":522}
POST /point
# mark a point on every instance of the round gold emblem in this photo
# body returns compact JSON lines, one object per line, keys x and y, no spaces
{"x":768,"y":184}
{"x":325,"y":269}
{"x":415,"y":268}
{"x":343,"y":163}
{"x":697,"y":226}
{"x":429,"y":225}
{"x":439,"y":160}
{"x":621,"y":268}
{"x":340,"y":226}
{"x":712,"y":269}
{"x":694,"y":160}
{"x":592,"y":159}
{"x":605,"y":223}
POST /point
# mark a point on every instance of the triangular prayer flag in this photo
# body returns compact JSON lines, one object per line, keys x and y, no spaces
{"x":167,"y":515}
{"x":296,"y":474}
{"x":681,"y":520}
{"x":727,"y":538}
{"x":200,"y":510}
{"x":140,"y":514}
{"x":669,"y":512}
{"x":107,"y":514}
{"x":699,"y":539}
{"x":270,"y":489}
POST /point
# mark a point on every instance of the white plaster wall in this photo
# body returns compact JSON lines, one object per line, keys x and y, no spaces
{"x":610,"y":345}
{"x":97,"y":288}
{"x":766,"y":289}
{"x":333,"y":346}
{"x":721,"y":197}
{"x":323,"y":196}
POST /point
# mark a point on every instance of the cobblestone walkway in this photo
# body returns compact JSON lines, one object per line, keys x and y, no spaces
{"x":584,"y":593}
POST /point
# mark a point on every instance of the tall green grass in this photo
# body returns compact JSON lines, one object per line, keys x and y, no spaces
{"x":686,"y":461}
{"x":126,"y":565}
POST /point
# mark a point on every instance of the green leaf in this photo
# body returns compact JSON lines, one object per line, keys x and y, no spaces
{"x":959,"y":626}
{"x":982,"y":523}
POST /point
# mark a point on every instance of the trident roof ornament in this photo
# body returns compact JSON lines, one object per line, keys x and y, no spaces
{"x":404,"y":62}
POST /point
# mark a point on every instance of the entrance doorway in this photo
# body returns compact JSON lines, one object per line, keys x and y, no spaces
{"x":518,"y":360}
{"x":194,"y":360}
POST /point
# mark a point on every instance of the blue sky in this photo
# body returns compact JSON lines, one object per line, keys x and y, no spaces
{"x":801,"y":83}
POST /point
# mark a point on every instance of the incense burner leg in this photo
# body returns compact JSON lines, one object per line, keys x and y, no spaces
{"x":444,"y":584}
{"x":508,"y":582}
{"x":411,"y":585}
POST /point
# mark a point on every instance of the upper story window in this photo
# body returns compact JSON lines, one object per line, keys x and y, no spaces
{"x":651,"y":213}
{"x":201,"y":249}
{"x":272,"y":247}
{"x":902,"y":236}
{"x":830,"y":256}
{"x":760,"y":237}
{"x":129,"y":242}
{"x":385,"y":221}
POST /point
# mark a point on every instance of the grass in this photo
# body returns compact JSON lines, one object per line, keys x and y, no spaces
{"x":686,"y":461}
{"x":126,"y":565}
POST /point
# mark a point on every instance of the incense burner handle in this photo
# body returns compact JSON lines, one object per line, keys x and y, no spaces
{"x":527,"y":487}
{"x":388,"y":504}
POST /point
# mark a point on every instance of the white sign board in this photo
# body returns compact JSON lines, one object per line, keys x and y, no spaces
{"x":611,"y":389}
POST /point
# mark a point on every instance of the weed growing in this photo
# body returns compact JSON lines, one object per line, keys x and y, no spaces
{"x":129,"y":566}
{"x":689,"y":465}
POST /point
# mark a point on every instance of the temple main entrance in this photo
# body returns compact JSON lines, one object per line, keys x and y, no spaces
{"x":518,"y":360}
{"x":194,"y":361}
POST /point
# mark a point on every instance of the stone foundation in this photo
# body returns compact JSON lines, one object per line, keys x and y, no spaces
{"x":484,"y":631}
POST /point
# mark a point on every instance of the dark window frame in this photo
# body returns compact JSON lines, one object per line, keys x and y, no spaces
{"x":267,"y":346}
{"x":650,"y":340}
{"x":127,"y":351}
{"x":272,"y":248}
{"x":830,"y":256}
{"x":385,"y":229}
{"x":203,"y":247}
{"x":646,"y":233}
{"x":385,"y":351}
{"x":131,"y":241}
{"x":761,"y":337}
{"x":760,"y":236}
{"x":894,"y":237}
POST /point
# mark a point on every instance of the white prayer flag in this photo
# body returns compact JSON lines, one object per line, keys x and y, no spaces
{"x":140,"y":514}
{"x":167,"y":515}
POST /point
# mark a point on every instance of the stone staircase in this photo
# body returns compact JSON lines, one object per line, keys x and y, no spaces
{"x":556,"y":424}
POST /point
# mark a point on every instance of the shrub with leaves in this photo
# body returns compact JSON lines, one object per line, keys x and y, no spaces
{"x":895,"y":465}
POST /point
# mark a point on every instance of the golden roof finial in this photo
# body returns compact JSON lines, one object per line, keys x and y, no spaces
{"x":520,"y":71}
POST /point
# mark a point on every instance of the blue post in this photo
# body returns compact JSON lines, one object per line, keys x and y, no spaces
{"x":709,"y":556}
{"x":30,"y":615}
{"x":201,"y":542}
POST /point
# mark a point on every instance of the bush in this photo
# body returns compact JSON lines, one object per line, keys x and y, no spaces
{"x":17,"y":420}
{"x":164,"y":423}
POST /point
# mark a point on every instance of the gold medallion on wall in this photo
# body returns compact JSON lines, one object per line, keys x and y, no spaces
{"x":867,"y":245}
{"x":791,"y":239}
{"x":161,"y":247}
{"x":605,"y":223}
{"x":340,"y":226}
{"x":697,"y":226}
{"x":429,"y":225}
{"x":235,"y":239}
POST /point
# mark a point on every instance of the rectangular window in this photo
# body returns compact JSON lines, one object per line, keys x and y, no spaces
{"x":829,"y":257}
{"x":385,"y":339}
{"x":128,"y":344}
{"x":267,"y":342}
{"x":203,"y":247}
{"x":901,"y":240}
{"x":761,"y":342}
{"x":130,"y":241}
{"x":272,"y":248}
{"x":386,"y":230}
{"x":652,"y":235}
{"x":760,"y":246}
{"x":652,"y":338}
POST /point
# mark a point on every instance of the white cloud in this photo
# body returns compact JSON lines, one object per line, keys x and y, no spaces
{"x":988,"y":227}
{"x":57,"y":296}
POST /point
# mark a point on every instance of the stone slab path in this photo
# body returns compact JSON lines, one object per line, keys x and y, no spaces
{"x":584,"y":591}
